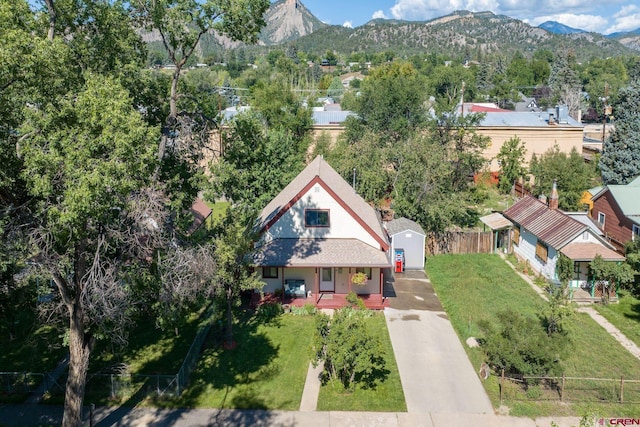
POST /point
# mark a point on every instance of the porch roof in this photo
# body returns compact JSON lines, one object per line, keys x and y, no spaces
{"x":319,"y":253}
{"x":588,"y":251}
{"x":496,"y":221}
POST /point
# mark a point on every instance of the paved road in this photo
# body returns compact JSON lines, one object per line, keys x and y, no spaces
{"x":434,"y":369}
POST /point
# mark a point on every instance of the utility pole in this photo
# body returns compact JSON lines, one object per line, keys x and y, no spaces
{"x":606,"y":110}
{"x":462,"y":100}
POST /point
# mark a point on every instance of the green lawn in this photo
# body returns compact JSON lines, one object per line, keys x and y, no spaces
{"x":386,"y":397}
{"x":266,"y":370}
{"x":625,"y":315}
{"x":474,"y":287}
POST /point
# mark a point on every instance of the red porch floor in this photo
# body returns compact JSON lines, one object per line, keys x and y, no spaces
{"x":326,"y":300}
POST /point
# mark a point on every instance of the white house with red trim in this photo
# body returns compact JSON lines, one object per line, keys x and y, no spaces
{"x":316,"y":234}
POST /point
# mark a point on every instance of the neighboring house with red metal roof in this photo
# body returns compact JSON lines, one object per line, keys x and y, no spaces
{"x":616,"y":208}
{"x":316,"y":234}
{"x":541,"y":233}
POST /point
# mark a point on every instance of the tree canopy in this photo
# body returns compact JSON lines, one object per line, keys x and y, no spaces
{"x":620,"y":161}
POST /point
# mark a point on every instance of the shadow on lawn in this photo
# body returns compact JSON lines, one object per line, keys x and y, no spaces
{"x":235,"y":371}
{"x":635,"y":308}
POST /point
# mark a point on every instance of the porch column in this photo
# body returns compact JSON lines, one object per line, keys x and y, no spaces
{"x":316,"y":287}
{"x":349,"y":275}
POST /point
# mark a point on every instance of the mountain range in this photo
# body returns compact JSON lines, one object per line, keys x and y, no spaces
{"x":459,"y":34}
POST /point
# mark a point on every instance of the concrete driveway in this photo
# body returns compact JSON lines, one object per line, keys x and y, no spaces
{"x":435,"y":372}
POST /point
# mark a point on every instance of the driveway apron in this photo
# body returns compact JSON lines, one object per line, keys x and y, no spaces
{"x":435,"y":372}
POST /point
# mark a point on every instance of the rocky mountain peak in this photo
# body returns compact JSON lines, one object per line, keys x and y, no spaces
{"x":288,"y":20}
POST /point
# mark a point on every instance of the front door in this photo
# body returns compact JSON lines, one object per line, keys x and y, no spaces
{"x":326,"y":280}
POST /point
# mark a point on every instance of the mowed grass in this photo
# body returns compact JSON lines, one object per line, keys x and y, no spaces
{"x":266,"y":370}
{"x":386,"y":397}
{"x":625,"y":315}
{"x":475,"y":287}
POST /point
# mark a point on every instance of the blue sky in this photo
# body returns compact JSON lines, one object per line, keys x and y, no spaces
{"x":602,"y":16}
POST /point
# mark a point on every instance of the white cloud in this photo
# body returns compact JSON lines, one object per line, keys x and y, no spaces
{"x":582,"y":22}
{"x":348,"y":24}
{"x":627,"y":19}
{"x":427,"y":9}
{"x":378,"y":14}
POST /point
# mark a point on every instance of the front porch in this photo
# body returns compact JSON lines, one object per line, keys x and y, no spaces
{"x":322,"y":300}
{"x":590,"y":291}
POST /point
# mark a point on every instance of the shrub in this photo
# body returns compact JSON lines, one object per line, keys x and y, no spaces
{"x":307,"y":310}
{"x":521,"y":346}
{"x":350,"y":353}
{"x":269,"y":310}
{"x":353,"y":299}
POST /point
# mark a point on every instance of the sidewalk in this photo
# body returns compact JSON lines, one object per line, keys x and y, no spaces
{"x":34,"y":415}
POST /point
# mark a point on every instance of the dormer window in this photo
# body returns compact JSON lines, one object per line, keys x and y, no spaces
{"x":316,"y":218}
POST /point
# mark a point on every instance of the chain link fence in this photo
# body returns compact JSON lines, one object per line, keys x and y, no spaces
{"x":18,"y":385}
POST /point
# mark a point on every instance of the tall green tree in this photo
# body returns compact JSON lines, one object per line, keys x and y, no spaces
{"x":392,"y":101}
{"x":620,"y":161}
{"x":182,"y":23}
{"x":565,"y":83}
{"x":257,"y":162}
{"x":511,"y":161}
{"x":572,"y":175}
{"x":233,"y":274}
{"x":85,"y":158}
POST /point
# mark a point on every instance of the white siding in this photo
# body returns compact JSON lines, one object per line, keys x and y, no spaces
{"x":413,"y":245}
{"x":342,"y":224}
{"x":341,"y":277}
{"x":526,"y":249}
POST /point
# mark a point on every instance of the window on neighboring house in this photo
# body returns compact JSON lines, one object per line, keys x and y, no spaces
{"x":542,"y":251}
{"x":601,"y":218}
{"x":635,"y":232}
{"x":316,"y":218}
{"x":365,"y":270}
{"x":516,"y":236}
{"x":270,"y":272}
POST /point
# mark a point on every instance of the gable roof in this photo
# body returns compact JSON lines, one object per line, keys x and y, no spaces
{"x":626,"y":196}
{"x":549,"y":225}
{"x":399,"y":225}
{"x":320,"y":172}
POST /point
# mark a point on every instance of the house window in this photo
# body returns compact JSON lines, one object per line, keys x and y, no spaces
{"x":316,"y":218}
{"x":365,"y":270}
{"x":601,"y":218}
{"x":270,"y":272}
{"x":635,"y":232}
{"x":542,"y":251}
{"x":516,"y":236}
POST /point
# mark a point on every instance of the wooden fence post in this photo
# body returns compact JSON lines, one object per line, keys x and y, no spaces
{"x":501,"y":385}
{"x":622,"y":389}
{"x":562,"y":389}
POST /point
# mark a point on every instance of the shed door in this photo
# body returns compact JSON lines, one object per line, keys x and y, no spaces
{"x":326,"y":280}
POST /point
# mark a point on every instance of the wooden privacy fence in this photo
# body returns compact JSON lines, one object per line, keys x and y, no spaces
{"x":459,"y":242}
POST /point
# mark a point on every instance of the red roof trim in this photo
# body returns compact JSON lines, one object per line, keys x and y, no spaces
{"x":317,"y":180}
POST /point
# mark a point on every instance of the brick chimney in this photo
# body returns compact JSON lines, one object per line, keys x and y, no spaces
{"x":553,"y":198}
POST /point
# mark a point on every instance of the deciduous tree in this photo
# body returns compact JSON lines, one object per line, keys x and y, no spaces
{"x":511,"y":161}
